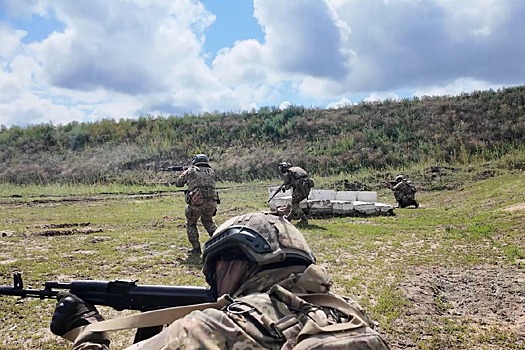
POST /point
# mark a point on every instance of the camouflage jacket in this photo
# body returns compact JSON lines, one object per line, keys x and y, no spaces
{"x":265,"y":314}
{"x":405,"y":187}
{"x":201,"y":178}
{"x":292,"y":177}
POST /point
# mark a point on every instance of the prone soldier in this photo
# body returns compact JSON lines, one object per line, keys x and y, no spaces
{"x":271,"y":293}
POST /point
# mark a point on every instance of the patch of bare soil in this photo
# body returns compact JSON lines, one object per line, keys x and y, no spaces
{"x":65,"y":229}
{"x":482,"y":297}
{"x":516,"y":207}
{"x":75,"y":231}
{"x":64,"y":225}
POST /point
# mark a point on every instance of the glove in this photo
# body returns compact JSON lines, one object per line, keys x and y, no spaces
{"x":72,"y":312}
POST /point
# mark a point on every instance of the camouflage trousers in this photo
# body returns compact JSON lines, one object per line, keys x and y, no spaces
{"x":296,"y":211}
{"x":205,"y":212}
{"x":405,"y":200}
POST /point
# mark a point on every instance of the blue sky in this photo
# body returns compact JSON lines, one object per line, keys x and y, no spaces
{"x":65,"y":60}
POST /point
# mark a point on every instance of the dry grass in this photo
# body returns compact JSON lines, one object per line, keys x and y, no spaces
{"x":448,"y":275}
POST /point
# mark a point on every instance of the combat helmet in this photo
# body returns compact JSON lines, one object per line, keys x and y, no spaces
{"x":263,"y":238}
{"x":400,"y":178}
{"x":200,"y":159}
{"x":284,"y":166}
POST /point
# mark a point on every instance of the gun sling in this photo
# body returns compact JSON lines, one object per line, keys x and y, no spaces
{"x":169,"y":315}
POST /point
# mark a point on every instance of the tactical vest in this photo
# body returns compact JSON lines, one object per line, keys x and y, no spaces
{"x":201,"y":186}
{"x":300,"y":180}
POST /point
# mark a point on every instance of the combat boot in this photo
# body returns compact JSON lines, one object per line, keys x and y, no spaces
{"x":196,"y":251}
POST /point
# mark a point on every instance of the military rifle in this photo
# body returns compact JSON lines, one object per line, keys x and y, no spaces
{"x":275,"y":193}
{"x":391,"y":183}
{"x":174,"y":168}
{"x":118,"y":294}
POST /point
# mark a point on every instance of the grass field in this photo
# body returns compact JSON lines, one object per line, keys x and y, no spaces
{"x":449,"y":275}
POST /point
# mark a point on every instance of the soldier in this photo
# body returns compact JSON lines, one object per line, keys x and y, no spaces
{"x":404,"y":192}
{"x":201,"y":197}
{"x":275,"y":296}
{"x":296,"y":178}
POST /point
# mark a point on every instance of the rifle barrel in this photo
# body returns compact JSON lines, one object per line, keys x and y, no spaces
{"x":120,"y":295}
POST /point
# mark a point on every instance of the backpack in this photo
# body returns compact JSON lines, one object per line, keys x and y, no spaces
{"x":307,"y":327}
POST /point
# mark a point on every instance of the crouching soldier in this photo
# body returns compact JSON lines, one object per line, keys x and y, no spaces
{"x":296,"y":178}
{"x":404,"y":192}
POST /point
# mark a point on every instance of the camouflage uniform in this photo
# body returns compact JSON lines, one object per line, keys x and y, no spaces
{"x":202,"y":199}
{"x":405,"y":193}
{"x":234,"y":326}
{"x":297,"y":179}
{"x":268,"y":310}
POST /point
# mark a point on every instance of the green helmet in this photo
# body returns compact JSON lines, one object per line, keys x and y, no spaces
{"x":262,"y":238}
{"x":200,"y":159}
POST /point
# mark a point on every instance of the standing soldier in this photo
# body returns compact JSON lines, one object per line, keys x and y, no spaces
{"x":404,"y":192}
{"x":296,"y":178}
{"x":201,"y":197}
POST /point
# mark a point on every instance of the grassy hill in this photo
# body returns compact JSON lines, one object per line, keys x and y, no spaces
{"x":482,"y":126}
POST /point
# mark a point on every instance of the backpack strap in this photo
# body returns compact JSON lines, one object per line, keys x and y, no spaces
{"x":154,"y":317}
{"x":148,"y":318}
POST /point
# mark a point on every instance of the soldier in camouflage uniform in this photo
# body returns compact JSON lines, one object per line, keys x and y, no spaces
{"x":276,"y":297}
{"x":404,"y":192}
{"x":201,"y":197}
{"x":296,"y":178}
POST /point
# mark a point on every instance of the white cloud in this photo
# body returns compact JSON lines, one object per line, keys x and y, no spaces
{"x":9,"y":42}
{"x":381,"y":96}
{"x":455,"y":87}
{"x":342,"y":103}
{"x":125,"y":58}
{"x":285,"y":105}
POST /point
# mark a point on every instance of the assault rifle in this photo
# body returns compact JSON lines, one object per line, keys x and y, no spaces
{"x":120,"y":295}
{"x":275,"y":193}
{"x":391,"y":183}
{"x":174,"y":168}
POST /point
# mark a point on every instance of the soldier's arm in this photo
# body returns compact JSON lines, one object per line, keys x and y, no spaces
{"x":398,"y":187}
{"x":182,"y":179}
{"x":287,"y":181}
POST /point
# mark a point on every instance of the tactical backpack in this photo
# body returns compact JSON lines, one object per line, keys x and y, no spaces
{"x":307,"y":327}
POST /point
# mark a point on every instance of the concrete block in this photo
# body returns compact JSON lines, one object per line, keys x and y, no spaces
{"x":321,"y":195}
{"x":342,"y":207}
{"x":367,"y":196}
{"x":318,"y":206}
{"x":367,"y":208}
{"x":349,"y":196}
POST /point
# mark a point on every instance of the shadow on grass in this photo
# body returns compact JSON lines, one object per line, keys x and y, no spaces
{"x":191,"y":261}
{"x":312,"y":226}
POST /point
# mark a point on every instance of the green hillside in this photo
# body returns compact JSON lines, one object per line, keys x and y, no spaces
{"x":482,"y":126}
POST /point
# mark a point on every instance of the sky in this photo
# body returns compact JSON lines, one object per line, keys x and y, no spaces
{"x":64,"y":61}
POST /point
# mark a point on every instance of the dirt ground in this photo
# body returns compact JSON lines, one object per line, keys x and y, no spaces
{"x":480,"y":298}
